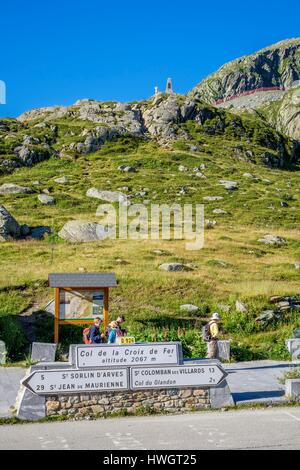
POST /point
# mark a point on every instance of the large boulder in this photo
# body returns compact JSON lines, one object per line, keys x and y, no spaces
{"x":189,"y":308}
{"x":11,"y":188}
{"x":9,"y":227}
{"x":109,"y":196}
{"x":229,"y":185}
{"x":175,"y":267}
{"x":62,"y":180}
{"x":127,"y":169}
{"x":274,"y":240}
{"x":241,"y":307}
{"x":28,"y":156}
{"x":46,"y":200}
{"x":268,"y":316}
{"x":83,"y":231}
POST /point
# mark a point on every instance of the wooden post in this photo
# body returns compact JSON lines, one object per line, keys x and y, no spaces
{"x":56,"y":313}
{"x":105,"y":309}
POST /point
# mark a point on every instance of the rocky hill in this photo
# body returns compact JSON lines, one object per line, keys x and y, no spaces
{"x":271,"y":76}
{"x":83,"y":128}
{"x":274,"y":66}
{"x":284,"y":114}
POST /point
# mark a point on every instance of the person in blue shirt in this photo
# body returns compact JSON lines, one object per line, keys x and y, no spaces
{"x":95,"y":335}
{"x":114,"y":328}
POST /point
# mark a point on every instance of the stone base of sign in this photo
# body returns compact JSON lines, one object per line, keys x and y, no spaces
{"x":221,"y":396}
{"x":43,"y":352}
{"x":293,"y":346}
{"x":32,"y":407}
{"x":2,"y":353}
{"x":105,"y":404}
{"x":224,"y":350}
{"x":292,"y":389}
{"x":29,"y":406}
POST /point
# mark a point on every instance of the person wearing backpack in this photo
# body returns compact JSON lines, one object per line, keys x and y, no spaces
{"x":210,"y":335}
{"x":114,"y":329}
{"x":119,"y":321}
{"x":93,"y":336}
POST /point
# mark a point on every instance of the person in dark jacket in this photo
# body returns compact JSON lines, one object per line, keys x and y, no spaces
{"x":95,"y":335}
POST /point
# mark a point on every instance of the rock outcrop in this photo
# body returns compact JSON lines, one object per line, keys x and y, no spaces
{"x":285,"y":116}
{"x":9,"y":227}
{"x":11,"y":188}
{"x":108,"y":196}
{"x":274,"y":66}
{"x":83,"y":231}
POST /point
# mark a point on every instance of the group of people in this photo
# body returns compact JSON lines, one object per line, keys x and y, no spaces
{"x":93,"y":335}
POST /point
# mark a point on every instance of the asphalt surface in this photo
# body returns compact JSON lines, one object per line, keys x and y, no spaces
{"x":272,"y":428}
{"x":257,"y":381}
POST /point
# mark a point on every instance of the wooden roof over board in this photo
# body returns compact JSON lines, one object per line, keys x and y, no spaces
{"x":82,"y":280}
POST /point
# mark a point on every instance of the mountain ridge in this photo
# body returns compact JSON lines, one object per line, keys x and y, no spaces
{"x":269,"y":120}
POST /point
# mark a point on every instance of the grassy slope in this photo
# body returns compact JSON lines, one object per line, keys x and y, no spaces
{"x":146,"y":294}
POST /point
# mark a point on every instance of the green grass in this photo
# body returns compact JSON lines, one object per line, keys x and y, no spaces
{"x":149,"y":297}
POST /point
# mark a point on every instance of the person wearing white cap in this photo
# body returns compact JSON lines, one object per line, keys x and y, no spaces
{"x":213,"y":333}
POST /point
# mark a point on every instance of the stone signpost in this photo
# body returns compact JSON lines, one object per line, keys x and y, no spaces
{"x":3,"y":353}
{"x":105,"y":379}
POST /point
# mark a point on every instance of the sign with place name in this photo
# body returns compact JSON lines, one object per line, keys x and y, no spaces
{"x":53,"y":382}
{"x":125,"y":340}
{"x":194,"y":375}
{"x":127,"y":355}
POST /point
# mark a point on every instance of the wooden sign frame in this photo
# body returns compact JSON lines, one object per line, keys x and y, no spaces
{"x":58,"y":321}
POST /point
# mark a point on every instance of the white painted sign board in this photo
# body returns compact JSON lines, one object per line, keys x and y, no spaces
{"x":52,"y":382}
{"x":127,"y":355}
{"x":184,"y":376}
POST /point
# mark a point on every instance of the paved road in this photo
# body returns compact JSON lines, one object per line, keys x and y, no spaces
{"x":272,"y":428}
{"x":257,"y":381}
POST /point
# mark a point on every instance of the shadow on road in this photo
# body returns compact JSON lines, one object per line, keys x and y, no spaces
{"x":263,"y":395}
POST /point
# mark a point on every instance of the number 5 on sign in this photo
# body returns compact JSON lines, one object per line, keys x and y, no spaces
{"x":125,"y":340}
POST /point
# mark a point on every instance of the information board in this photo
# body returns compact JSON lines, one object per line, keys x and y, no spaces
{"x":81,"y":304}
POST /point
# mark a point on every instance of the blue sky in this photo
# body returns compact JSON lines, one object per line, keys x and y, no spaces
{"x":57,"y":52}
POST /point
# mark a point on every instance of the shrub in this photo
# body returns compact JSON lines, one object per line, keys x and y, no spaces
{"x":293,"y":373}
{"x":14,"y":338}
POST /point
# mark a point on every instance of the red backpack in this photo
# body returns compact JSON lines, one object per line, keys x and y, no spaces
{"x":86,"y":336}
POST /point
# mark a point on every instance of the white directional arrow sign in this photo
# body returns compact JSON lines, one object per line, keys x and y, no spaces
{"x":194,"y":375}
{"x":52,"y":382}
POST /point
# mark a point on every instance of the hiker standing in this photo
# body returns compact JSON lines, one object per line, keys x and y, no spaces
{"x":212,"y":331}
{"x":95,"y":336}
{"x":119,"y":321}
{"x":114,"y":328}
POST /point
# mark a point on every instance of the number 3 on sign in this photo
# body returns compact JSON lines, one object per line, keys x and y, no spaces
{"x":125,"y":340}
